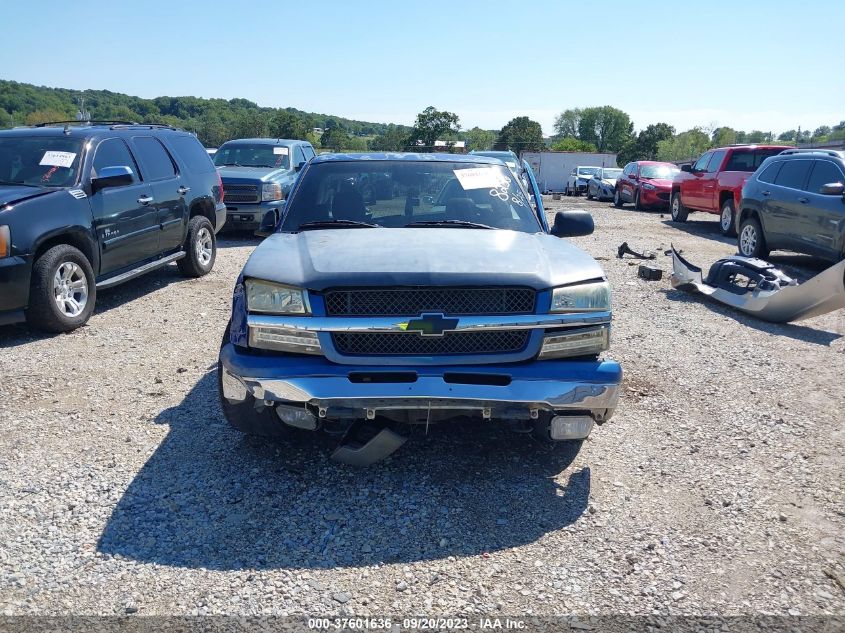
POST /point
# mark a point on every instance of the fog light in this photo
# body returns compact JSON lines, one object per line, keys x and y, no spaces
{"x":284,"y":340}
{"x":579,"y":343}
{"x":571,"y":427}
{"x":298,"y":417}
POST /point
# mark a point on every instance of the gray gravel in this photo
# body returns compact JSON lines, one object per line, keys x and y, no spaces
{"x":716,"y":489}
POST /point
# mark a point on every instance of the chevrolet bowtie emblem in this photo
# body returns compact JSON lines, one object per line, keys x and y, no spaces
{"x":430,"y":325}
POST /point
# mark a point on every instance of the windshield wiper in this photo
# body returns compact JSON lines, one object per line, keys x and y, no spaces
{"x":230,"y":165}
{"x":456,"y":223}
{"x":18,"y":182}
{"x":336,"y":224}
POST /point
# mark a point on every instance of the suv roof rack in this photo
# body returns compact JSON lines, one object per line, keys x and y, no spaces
{"x":46,"y":123}
{"x":811,"y":150}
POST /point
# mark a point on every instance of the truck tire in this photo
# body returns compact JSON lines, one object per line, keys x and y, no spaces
{"x":62,"y":290}
{"x":727,"y":218}
{"x":678,"y":210}
{"x":249,"y":417}
{"x":617,"y":198}
{"x":200,"y":248}
{"x":751,"y":242}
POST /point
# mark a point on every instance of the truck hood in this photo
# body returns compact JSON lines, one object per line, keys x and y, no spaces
{"x":420,"y":257}
{"x":264,"y":174}
{"x":11,"y":194}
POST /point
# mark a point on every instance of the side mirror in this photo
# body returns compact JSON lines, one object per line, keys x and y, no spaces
{"x":634,"y":177}
{"x":117,"y":176}
{"x":268,"y":224}
{"x":299,"y":166}
{"x":572,"y":224}
{"x":832,"y":189}
{"x":686,"y":168}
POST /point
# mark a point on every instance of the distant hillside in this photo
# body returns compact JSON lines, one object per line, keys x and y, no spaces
{"x":213,"y":120}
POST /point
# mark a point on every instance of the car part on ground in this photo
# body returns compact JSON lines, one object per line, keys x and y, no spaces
{"x":758,"y":288}
{"x":624,"y":249}
{"x":649,"y":273}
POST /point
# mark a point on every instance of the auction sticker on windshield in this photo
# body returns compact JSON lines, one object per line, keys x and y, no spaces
{"x":280,"y":150}
{"x":479,"y":177}
{"x":58,"y":159}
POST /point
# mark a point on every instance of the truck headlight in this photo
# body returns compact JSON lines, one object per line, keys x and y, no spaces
{"x":266,"y":296}
{"x":5,"y":241}
{"x":284,"y":340}
{"x":582,"y":342}
{"x":591,"y":297}
{"x":271,"y":191}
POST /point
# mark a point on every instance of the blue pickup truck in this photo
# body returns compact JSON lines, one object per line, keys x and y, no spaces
{"x":410,"y":289}
{"x":257,"y":175}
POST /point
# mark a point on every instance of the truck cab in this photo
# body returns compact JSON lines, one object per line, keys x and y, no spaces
{"x":713,"y":184}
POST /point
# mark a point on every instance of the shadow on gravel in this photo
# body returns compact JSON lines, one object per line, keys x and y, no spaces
{"x":237,"y":239}
{"x":702,"y":228}
{"x":210,"y":498}
{"x":791,"y":330}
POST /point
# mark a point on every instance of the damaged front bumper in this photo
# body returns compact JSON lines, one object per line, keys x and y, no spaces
{"x":759,"y":288}
{"x":330,"y":390}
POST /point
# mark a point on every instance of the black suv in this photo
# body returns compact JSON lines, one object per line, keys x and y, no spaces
{"x":85,"y":207}
{"x":795,"y":201}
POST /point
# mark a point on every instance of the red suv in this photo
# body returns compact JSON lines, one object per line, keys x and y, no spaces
{"x":646,"y":183}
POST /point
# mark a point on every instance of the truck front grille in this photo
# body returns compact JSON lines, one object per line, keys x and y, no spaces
{"x":416,"y":301}
{"x":412,"y":344}
{"x":240,"y":193}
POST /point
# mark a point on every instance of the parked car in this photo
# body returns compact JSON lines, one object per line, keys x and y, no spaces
{"x":646,"y":183}
{"x":578,"y":180}
{"x":795,"y":201}
{"x":360,"y":318}
{"x":258,"y":174}
{"x":86,"y":207}
{"x":603,"y":184}
{"x":714,"y":183}
{"x":508,"y":157}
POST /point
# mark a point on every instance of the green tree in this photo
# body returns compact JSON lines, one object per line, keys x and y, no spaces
{"x":284,"y":124}
{"x":432,"y":125}
{"x":606,"y":127}
{"x":45,"y":116}
{"x":821,"y":131}
{"x":683,"y":146}
{"x":335,"y":138}
{"x":250,"y":124}
{"x":567,"y":123}
{"x":724,"y":136}
{"x":789,"y":135}
{"x":478,"y":139}
{"x":520,"y":134}
{"x":756,"y":136}
{"x":644,"y":146}
{"x":393,"y":139}
{"x":572,"y":145}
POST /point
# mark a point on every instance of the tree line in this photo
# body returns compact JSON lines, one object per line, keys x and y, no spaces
{"x":214,"y":121}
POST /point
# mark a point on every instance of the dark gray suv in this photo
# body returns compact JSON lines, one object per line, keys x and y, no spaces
{"x":795,"y":201}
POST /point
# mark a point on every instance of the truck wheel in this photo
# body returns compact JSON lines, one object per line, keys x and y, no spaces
{"x":679,"y":211}
{"x":617,"y":198}
{"x":637,"y":205}
{"x":200,"y":248}
{"x":62,"y":290}
{"x":751,"y":241}
{"x":250,"y":416}
{"x":727,"y":219}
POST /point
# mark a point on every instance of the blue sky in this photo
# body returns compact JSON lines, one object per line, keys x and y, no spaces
{"x":769,"y":65}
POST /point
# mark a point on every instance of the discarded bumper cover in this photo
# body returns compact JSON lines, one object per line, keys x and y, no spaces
{"x":759,"y":288}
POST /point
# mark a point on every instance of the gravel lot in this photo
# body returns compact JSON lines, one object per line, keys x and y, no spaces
{"x":716,"y":489}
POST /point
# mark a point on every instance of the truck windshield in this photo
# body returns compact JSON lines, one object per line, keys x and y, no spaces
{"x":40,"y":161}
{"x":401,"y":193}
{"x":663,"y":172}
{"x":587,"y":171}
{"x":252,"y":155}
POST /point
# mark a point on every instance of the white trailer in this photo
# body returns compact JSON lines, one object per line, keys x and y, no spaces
{"x":551,"y":169}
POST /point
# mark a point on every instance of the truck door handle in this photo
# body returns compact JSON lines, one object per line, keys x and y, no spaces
{"x":145,"y":200}
{"x":803,"y":200}
{"x":767,"y":193}
{"x":183,"y":190}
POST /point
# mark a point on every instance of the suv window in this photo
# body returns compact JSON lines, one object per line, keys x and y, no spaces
{"x":113,"y":153}
{"x":793,"y":173}
{"x":155,"y":161}
{"x":716,"y":161}
{"x":824,"y":172}
{"x":192,"y":153}
{"x":701,"y":163}
{"x":770,"y":173}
